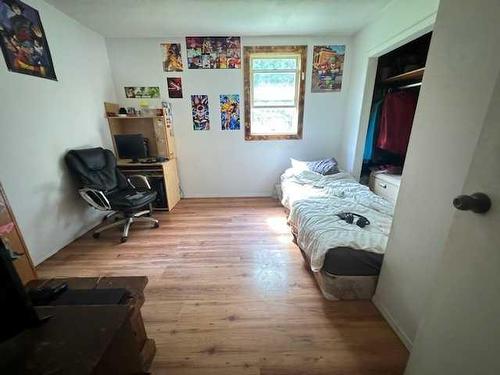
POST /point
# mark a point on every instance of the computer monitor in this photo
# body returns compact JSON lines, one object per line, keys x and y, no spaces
{"x":131,"y":146}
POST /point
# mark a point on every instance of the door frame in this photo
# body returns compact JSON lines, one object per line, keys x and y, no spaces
{"x":417,"y":30}
{"x":411,"y":33}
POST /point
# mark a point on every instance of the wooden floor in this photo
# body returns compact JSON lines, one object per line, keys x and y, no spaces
{"x":228,"y":294}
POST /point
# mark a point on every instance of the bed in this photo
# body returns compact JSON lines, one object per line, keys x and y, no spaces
{"x":344,"y":258}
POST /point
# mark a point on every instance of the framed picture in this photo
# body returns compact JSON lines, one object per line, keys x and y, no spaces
{"x":172,"y":61}
{"x":210,"y":52}
{"x":230,"y":112}
{"x":167,"y":106}
{"x":328,"y":68}
{"x":201,"y":115}
{"x":174,"y":87}
{"x":23,"y":41}
{"x":133,"y":92}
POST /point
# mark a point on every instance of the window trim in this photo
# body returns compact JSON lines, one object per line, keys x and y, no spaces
{"x":248,"y":51}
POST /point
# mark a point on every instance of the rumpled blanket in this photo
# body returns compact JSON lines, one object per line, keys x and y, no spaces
{"x":314,"y":200}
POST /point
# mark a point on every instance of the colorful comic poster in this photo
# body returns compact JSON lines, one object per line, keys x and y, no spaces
{"x":172,"y":61}
{"x":23,"y":40}
{"x":208,"y":52}
{"x":142,"y":92}
{"x":174,"y":86}
{"x":167,"y":106}
{"x":328,"y":68}
{"x":230,"y":112}
{"x":201,"y":117}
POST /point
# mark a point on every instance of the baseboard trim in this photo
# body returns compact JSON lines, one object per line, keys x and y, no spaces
{"x":218,"y":195}
{"x":393,"y":323}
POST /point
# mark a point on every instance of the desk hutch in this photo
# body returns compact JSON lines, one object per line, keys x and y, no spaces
{"x":156,"y":126}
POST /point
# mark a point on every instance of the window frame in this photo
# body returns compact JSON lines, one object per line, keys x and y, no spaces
{"x":269,"y":51}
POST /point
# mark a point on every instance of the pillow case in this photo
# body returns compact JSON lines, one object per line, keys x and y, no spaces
{"x":324,"y":166}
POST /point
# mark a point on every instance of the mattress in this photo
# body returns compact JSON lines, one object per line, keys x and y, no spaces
{"x":343,"y":287}
{"x":344,"y":261}
{"x":314,"y":202}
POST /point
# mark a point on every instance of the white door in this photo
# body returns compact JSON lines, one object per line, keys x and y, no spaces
{"x":460,"y":333}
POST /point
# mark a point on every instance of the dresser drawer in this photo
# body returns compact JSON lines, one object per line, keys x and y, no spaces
{"x":385,"y":186}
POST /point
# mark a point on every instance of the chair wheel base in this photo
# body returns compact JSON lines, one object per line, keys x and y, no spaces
{"x":123,"y":239}
{"x":96,"y":235}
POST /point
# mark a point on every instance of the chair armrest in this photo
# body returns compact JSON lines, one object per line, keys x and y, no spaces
{"x":95,"y":198}
{"x":138,"y":181}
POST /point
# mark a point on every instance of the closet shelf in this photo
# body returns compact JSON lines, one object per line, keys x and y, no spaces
{"x":412,"y":75}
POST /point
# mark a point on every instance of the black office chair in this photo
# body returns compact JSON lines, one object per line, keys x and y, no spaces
{"x":104,"y":187}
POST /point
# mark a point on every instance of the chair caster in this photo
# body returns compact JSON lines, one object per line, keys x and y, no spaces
{"x":96,"y":235}
{"x":123,"y":239}
{"x":156,"y":225}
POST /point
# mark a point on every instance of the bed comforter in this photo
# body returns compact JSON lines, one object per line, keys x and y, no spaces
{"x":314,"y":200}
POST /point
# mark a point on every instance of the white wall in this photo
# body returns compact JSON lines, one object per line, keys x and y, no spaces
{"x":400,"y":22}
{"x":217,"y":163}
{"x":40,"y":120}
{"x":453,"y":101}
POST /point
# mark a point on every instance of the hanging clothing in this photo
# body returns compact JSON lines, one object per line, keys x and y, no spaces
{"x":372,"y":128}
{"x":396,"y":120}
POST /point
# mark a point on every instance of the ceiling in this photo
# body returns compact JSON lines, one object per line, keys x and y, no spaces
{"x":160,"y":18}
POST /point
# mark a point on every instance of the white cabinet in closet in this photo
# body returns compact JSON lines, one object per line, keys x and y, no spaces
{"x":385,"y":185}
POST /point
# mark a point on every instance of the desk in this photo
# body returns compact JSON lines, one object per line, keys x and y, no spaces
{"x":163,"y":178}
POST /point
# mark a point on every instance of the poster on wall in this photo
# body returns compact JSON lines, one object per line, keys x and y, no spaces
{"x":167,"y":106}
{"x":174,"y":86}
{"x":328,"y":68}
{"x":201,"y":117}
{"x":230,"y":112}
{"x":23,"y":41}
{"x":172,"y":61}
{"x":133,"y":92}
{"x":214,"y":52}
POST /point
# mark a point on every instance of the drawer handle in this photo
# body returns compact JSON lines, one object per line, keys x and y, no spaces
{"x":382,"y":185}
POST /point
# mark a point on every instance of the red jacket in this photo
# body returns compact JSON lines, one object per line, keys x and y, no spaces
{"x":396,"y":120}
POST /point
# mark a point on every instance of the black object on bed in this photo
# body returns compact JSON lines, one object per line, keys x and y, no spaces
{"x":344,"y":261}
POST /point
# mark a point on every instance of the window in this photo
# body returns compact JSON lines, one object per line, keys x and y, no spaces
{"x":274,"y":92}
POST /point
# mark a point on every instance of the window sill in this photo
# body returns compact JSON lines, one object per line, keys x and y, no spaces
{"x":272,"y":137}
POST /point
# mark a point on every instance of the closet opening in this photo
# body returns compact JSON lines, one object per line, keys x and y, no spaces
{"x":395,"y":96}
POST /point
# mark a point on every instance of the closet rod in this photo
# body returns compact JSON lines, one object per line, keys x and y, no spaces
{"x":410,"y":85}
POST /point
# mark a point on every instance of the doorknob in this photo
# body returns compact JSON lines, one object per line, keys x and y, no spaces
{"x":477,"y":202}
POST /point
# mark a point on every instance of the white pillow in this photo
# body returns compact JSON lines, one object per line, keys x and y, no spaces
{"x":299,"y":165}
{"x":324,"y":166}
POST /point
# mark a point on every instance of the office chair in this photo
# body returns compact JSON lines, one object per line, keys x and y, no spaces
{"x":104,"y":187}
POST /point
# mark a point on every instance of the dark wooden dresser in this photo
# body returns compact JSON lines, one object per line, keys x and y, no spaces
{"x":84,"y":339}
